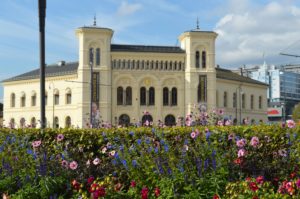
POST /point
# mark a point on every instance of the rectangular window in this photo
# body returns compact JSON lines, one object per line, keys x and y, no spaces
{"x":243,"y":101}
{"x":69,"y":98}
{"x":33,"y":100}
{"x":260,"y":102}
{"x":225,"y":99}
{"x":98,"y":56}
{"x":56,"y":99}
{"x":23,"y":101}
{"x":252,"y":102}
{"x":234,"y":100}
{"x":202,"y":89}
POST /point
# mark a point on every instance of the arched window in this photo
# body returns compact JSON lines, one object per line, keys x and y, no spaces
{"x":161,"y":65}
{"x":119,"y":64}
{"x":12,"y":123}
{"x":243,"y":100}
{"x":197,"y":59}
{"x":115,"y":64}
{"x":202,"y":88}
{"x":119,"y":95}
{"x":166,"y":65}
{"x":143,"y":96}
{"x":12,"y":100}
{"x":234,"y":100}
{"x":133,"y":64}
{"x":138,"y":64}
{"x":91,"y":56}
{"x":151,"y":96}
{"x":123,"y":64}
{"x":260,"y":102}
{"x":68,"y":122}
{"x":56,"y":122}
{"x":156,"y":65}
{"x":252,"y":102}
{"x":128,"y":95}
{"x":56,"y":97}
{"x":174,"y":96}
{"x":98,"y":56}
{"x":165,"y":96}
{"x":143,"y":65}
{"x":147,"y":64}
{"x":171,"y":66}
{"x":170,"y":120}
{"x":152,"y":65}
{"x":68,"y":96}
{"x":128,"y":64}
{"x":179,"y":66}
{"x":203,"y":59}
{"x":22,"y":122}
{"x":124,"y":120}
{"x":23,"y":100}
{"x":175,"y":65}
{"x":33,"y":98}
{"x":146,"y":118}
{"x":225,"y":99}
{"x":33,"y":122}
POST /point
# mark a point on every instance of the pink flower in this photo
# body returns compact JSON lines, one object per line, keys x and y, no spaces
{"x":241,"y":143}
{"x":260,"y":179}
{"x":241,"y":153}
{"x":64,"y":163}
{"x":288,"y":185}
{"x":220,"y":123}
{"x":112,"y":153}
{"x":291,"y":123}
{"x":254,"y":141}
{"x":193,"y":135}
{"x":282,"y":152}
{"x":36,"y":144}
{"x":60,"y":137}
{"x":147,"y":123}
{"x":73,"y":165}
{"x":96,"y":161}
{"x":227,"y":123}
{"x":221,"y":111}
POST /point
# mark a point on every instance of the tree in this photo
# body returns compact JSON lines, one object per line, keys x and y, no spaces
{"x":296,"y":113}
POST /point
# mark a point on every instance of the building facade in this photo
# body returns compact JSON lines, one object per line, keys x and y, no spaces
{"x":118,"y":83}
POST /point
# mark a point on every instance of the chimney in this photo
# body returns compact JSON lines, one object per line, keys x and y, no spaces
{"x":61,"y":63}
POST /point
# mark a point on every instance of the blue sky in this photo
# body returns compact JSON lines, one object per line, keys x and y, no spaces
{"x":248,"y":29}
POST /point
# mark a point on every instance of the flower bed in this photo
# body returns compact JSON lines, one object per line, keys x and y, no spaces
{"x":182,"y":162}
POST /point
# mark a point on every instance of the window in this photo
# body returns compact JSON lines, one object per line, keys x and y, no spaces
{"x":33,"y":122}
{"x":151,"y":96}
{"x":143,"y":96}
{"x":166,"y":65}
{"x":12,"y":123}
{"x":174,"y":97}
{"x":179,"y":67}
{"x":128,"y":96}
{"x":33,"y":99}
{"x":252,"y":102}
{"x":202,"y":88}
{"x":243,"y":101}
{"x":56,"y":98}
{"x":22,"y":122}
{"x":137,"y":64}
{"x":12,"y":100}
{"x":91,"y":56}
{"x":234,"y":100}
{"x":23,"y":100}
{"x":175,"y":65}
{"x":68,"y":122}
{"x":165,"y":96}
{"x":197,"y":59}
{"x":119,"y":95}
{"x":203,"y":59}
{"x":170,"y":120}
{"x":98,"y":56}
{"x":217,"y":98}
{"x":124,"y":120}
{"x":56,"y":122}
{"x":156,"y":65}
{"x":225,"y":99}
{"x":147,"y":118}
{"x":260,"y":102}
{"x":68,"y":96}
{"x":46,"y":98}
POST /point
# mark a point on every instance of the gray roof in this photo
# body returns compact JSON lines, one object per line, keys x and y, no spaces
{"x":143,"y":48}
{"x":229,"y":75}
{"x":51,"y":71}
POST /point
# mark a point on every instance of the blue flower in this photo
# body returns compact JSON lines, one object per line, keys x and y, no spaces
{"x":153,"y":130}
{"x":150,"y":149}
{"x":114,"y":162}
{"x":162,"y":142}
{"x":131,"y":133}
{"x":166,"y":147}
{"x":124,"y":162}
{"x":186,"y":141}
{"x":134,"y":163}
{"x":139,"y":141}
{"x":156,"y":150}
{"x":122,"y":148}
{"x":147,"y":140}
{"x":206,"y":164}
{"x":208,"y":134}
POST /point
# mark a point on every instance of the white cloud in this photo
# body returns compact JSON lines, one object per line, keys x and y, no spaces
{"x":126,"y":9}
{"x":244,"y":35}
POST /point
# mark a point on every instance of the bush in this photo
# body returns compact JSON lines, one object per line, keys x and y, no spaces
{"x":181,"y":162}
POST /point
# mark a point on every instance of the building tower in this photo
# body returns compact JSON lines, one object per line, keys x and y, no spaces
{"x":94,"y":49}
{"x":200,"y":73}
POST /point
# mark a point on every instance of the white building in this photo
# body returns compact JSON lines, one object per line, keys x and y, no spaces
{"x":166,"y":81}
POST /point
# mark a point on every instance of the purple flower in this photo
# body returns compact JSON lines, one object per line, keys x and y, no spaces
{"x":60,"y":137}
{"x":254,"y":141}
{"x":193,"y":135}
{"x":241,"y":143}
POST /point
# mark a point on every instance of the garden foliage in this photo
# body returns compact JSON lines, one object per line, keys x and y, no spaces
{"x":179,"y":162}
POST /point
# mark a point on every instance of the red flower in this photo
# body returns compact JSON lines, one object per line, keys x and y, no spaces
{"x":75,"y":185}
{"x":293,"y":175}
{"x":253,"y":186}
{"x":156,"y":192}
{"x":100,"y":192}
{"x":248,"y":179}
{"x":216,"y":196}
{"x":144,"y":193}
{"x":255,"y":197}
{"x":238,"y":161}
{"x":260,"y":179}
{"x":132,"y":183}
{"x":90,"y":180}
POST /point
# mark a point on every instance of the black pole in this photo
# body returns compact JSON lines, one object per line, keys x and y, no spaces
{"x":91,"y":85}
{"x":42,"y":15}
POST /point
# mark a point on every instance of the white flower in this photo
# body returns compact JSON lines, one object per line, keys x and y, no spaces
{"x":96,"y":161}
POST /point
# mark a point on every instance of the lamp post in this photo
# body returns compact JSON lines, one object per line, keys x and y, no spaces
{"x":91,"y":86}
{"x":240,"y":102}
{"x":42,"y":15}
